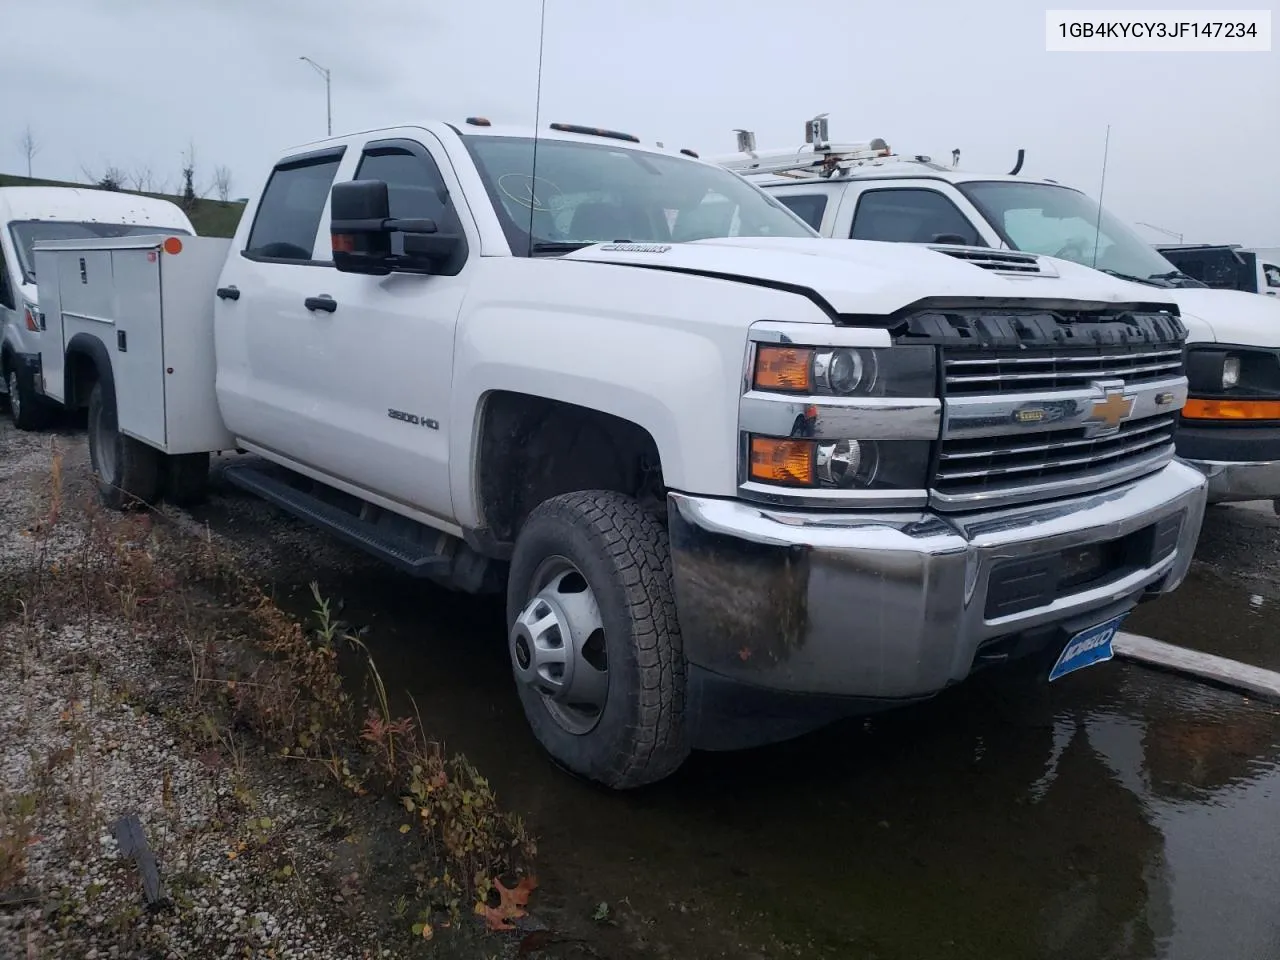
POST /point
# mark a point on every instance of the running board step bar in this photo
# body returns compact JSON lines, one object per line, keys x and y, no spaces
{"x":415,"y":559}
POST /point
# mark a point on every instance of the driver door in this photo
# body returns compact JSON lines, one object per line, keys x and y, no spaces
{"x":382,"y":359}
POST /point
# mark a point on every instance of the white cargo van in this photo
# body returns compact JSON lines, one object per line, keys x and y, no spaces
{"x":32,"y":214}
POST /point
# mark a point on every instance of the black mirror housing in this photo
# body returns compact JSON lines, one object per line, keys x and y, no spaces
{"x":361,"y":226}
{"x":358,"y":215}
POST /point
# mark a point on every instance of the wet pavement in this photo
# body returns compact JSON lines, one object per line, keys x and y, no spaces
{"x":1119,"y":812}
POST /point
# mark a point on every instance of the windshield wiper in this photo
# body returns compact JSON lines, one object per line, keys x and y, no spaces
{"x":1178,"y":278}
{"x":1149,"y":281}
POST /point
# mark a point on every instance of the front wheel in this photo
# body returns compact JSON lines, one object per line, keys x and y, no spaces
{"x":594,"y":640}
{"x":127,"y":470}
{"x":29,"y":410}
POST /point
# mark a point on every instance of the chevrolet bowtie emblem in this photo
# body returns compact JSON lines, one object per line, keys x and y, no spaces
{"x":1111,"y":410}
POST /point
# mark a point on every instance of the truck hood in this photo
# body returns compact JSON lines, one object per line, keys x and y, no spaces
{"x":872,"y":277}
{"x":1229,"y":316}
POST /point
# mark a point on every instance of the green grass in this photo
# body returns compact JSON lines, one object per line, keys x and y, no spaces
{"x":211,"y":218}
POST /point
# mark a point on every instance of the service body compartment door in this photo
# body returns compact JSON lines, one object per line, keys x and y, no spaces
{"x":136,"y":346}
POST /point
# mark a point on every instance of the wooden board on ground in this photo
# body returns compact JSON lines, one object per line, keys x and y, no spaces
{"x":1204,"y":666}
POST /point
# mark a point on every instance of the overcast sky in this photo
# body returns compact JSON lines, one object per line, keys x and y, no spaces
{"x":1195,"y":138}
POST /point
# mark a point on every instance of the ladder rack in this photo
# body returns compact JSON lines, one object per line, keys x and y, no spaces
{"x":819,"y":158}
{"x":810,"y":162}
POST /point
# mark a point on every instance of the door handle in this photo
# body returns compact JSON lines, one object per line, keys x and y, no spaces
{"x":325,"y":303}
{"x":229,"y":293}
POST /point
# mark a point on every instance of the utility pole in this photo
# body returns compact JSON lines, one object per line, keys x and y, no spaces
{"x":328,"y":98}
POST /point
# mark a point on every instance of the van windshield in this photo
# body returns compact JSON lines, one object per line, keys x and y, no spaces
{"x":585,"y":193}
{"x":1062,"y":222}
{"x":26,"y":233}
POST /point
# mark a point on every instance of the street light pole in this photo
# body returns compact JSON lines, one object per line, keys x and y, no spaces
{"x":328,"y":99}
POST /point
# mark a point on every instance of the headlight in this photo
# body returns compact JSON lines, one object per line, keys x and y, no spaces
{"x":840,"y":464}
{"x":845,"y":371}
{"x":1230,"y":372}
{"x":1232,"y":384}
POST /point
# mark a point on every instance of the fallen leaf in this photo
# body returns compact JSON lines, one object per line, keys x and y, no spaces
{"x":427,"y":932}
{"x":511,"y":903}
{"x":404,"y":828}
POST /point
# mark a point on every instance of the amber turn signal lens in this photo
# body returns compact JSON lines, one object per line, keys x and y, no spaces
{"x":789,"y":462}
{"x":784,"y":368}
{"x":1232,"y":410}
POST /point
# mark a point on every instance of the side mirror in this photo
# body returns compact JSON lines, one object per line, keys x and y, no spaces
{"x":358,"y":215}
{"x":361,"y":227}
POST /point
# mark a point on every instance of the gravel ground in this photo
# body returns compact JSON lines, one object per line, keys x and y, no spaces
{"x":256,"y":860}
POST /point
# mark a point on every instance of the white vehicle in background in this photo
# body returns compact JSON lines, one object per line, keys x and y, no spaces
{"x":1227,"y":266}
{"x":29,"y":215}
{"x":1230,"y":426}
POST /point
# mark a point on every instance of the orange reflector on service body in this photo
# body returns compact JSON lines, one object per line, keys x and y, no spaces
{"x":172,"y":245}
{"x":1231,"y":409}
{"x":783,"y":461}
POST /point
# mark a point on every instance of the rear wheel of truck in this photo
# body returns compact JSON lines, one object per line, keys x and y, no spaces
{"x":594,"y":640}
{"x":127,"y":470}
{"x":29,"y":410}
{"x":185,"y":479}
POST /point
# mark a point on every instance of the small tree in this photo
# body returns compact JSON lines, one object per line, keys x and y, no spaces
{"x":222,"y":182}
{"x":141,"y":178}
{"x":29,"y":145}
{"x":189,"y":176}
{"x":111,"y":178}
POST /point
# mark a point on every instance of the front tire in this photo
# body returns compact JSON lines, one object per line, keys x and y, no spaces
{"x":29,"y":410}
{"x":127,"y":470}
{"x":592,"y":617}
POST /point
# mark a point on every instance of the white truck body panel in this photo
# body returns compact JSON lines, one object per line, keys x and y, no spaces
{"x":153,"y":311}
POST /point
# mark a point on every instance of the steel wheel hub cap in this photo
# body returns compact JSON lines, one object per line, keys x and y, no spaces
{"x":557,"y":647}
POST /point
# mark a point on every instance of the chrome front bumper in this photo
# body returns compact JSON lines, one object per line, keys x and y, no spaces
{"x":1235,"y":482}
{"x":897,"y":606}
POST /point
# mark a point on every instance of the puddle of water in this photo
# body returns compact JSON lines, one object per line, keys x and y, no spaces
{"x":1212,"y":614}
{"x":1119,"y":813}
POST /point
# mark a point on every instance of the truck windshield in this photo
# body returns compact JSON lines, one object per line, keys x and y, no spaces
{"x":1062,"y":222}
{"x":27,"y":233}
{"x":585,"y":193}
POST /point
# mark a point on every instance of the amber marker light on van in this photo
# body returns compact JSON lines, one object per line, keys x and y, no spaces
{"x":784,"y":368}
{"x":1231,"y":409}
{"x":172,"y":245}
{"x":789,"y":462}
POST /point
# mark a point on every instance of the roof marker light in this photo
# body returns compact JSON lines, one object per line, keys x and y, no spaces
{"x":594,"y":132}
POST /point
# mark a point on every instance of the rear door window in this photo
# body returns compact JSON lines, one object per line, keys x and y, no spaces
{"x":293,"y":202}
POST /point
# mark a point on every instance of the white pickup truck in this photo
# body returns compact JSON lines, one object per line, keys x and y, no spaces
{"x":1230,"y":426}
{"x":733,"y":487}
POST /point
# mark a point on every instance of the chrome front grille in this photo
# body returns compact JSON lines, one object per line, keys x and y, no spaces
{"x":1022,"y":425}
{"x":990,"y":464}
{"x":1035,"y":370}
